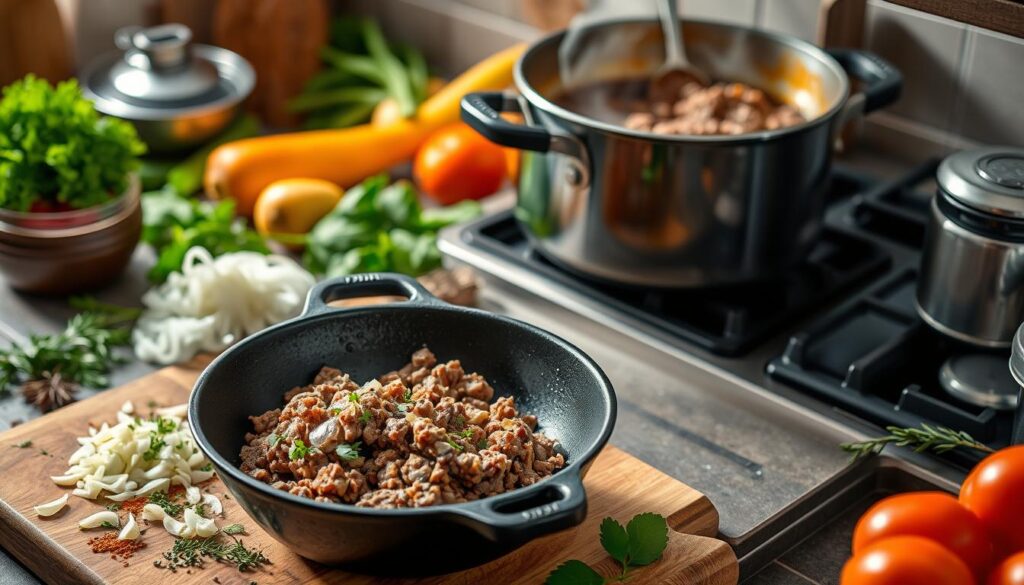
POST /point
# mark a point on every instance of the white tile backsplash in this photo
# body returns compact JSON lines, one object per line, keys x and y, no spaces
{"x":991,"y":107}
{"x":733,"y":11}
{"x":927,"y":50}
{"x":798,"y":18}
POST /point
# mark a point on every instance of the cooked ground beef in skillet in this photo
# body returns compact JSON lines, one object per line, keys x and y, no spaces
{"x":426,"y":434}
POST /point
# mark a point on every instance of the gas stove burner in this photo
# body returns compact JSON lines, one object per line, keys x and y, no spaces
{"x":982,"y":379}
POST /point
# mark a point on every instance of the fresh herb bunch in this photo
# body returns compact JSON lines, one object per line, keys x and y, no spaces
{"x":56,"y":150}
{"x":379,"y":227}
{"x":639,"y":543}
{"x":927,"y":437}
{"x":49,"y":367}
{"x":172,"y":224}
{"x":361,"y":69}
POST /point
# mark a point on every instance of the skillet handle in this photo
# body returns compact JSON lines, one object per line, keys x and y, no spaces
{"x":561,"y":504}
{"x":366,"y":285}
{"x":482,"y":111}
{"x":882,"y":81}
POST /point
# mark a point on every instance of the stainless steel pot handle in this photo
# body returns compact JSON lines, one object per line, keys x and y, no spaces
{"x":482,"y":111}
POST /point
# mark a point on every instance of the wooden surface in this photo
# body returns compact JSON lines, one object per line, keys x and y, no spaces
{"x":1005,"y":16}
{"x":618,"y":485}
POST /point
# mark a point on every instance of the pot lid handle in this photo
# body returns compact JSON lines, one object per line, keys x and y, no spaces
{"x":158,"y":65}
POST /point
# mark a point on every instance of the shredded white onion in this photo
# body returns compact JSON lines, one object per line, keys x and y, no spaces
{"x":214,"y":302}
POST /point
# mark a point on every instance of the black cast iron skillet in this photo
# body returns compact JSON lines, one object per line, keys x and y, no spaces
{"x":550,"y":378}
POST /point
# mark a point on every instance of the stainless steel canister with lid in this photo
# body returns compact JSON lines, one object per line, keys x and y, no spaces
{"x":1017,"y":369}
{"x":971,"y":285}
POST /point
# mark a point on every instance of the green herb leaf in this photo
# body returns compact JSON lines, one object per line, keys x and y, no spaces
{"x":481,"y":444}
{"x":233,"y":529}
{"x":353,"y":397}
{"x":299,"y":450}
{"x":56,"y":149}
{"x":207,"y":467}
{"x":108,"y":525}
{"x":454,"y":445}
{"x":23,"y":445}
{"x":114,"y":506}
{"x":615,"y":540}
{"x":156,"y":443}
{"x":648,"y":537}
{"x":161,"y":499}
{"x":348,"y":452}
{"x":200,"y":509}
{"x":273,"y":439}
{"x":574,"y":573}
{"x":365,"y":417}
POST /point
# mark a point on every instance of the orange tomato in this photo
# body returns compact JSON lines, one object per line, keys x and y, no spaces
{"x":994,"y":491}
{"x":456,"y":163}
{"x":1008,"y":572}
{"x":934,"y":515}
{"x":906,"y":560}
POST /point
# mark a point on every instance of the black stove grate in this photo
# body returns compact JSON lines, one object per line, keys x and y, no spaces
{"x":728,"y":321}
{"x":872,"y":356}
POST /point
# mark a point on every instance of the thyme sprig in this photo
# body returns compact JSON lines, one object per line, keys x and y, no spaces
{"x":193,"y":552}
{"x":927,"y":437}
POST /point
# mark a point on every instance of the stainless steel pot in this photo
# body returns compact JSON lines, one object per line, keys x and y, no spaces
{"x":971,"y":285}
{"x":679,"y":211}
{"x":1017,"y":370}
{"x":178,"y":95}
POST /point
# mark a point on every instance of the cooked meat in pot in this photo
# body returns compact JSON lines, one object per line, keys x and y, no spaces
{"x":721,"y":108}
{"x":423,"y":435}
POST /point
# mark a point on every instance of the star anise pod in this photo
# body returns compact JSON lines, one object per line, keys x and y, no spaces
{"x":49,"y":391}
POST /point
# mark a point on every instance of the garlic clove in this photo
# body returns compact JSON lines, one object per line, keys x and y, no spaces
{"x":213,"y":504}
{"x":97,"y":519}
{"x":51,"y":508}
{"x":173,"y":527}
{"x":130,"y":530}
{"x":153,"y":513}
{"x":193,"y":495}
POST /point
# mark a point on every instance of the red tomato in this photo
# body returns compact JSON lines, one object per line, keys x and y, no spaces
{"x":906,"y":560}
{"x":934,"y":515}
{"x":456,"y":163}
{"x":1008,"y":572}
{"x":994,"y":491}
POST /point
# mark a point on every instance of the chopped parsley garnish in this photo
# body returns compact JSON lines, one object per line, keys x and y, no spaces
{"x":334,"y":411}
{"x":481,"y":444}
{"x":207,"y":467}
{"x":464,"y":433}
{"x":365,"y":417}
{"x":349,"y":452}
{"x":108,"y":525}
{"x":233,"y":529}
{"x":455,"y":445}
{"x":299,"y":450}
{"x":460,"y":421}
{"x":273,"y":439}
{"x":408,"y":395}
{"x":156,"y":442}
{"x":161,"y":499}
{"x":114,"y":507}
{"x":353,"y":397}
{"x":200,"y":509}
{"x":165,"y":425}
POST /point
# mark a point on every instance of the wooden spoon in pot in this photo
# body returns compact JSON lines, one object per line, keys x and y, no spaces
{"x":676,"y":71}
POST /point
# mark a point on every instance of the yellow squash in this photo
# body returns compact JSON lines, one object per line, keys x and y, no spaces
{"x":241,"y":170}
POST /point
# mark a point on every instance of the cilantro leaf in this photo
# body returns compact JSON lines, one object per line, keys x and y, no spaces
{"x":299,"y":450}
{"x":574,"y":573}
{"x":615,"y":540}
{"x":349,"y":452}
{"x":648,"y":537}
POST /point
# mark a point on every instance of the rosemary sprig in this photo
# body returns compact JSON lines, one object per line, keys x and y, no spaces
{"x":938,"y":439}
{"x":81,"y":354}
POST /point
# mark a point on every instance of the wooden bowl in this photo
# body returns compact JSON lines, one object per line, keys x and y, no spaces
{"x":70,"y":252}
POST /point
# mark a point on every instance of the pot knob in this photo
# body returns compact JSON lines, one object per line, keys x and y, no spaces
{"x":158,"y":65}
{"x":1002,"y":169}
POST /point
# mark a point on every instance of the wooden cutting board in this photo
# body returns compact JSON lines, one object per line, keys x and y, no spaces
{"x":618,"y":485}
